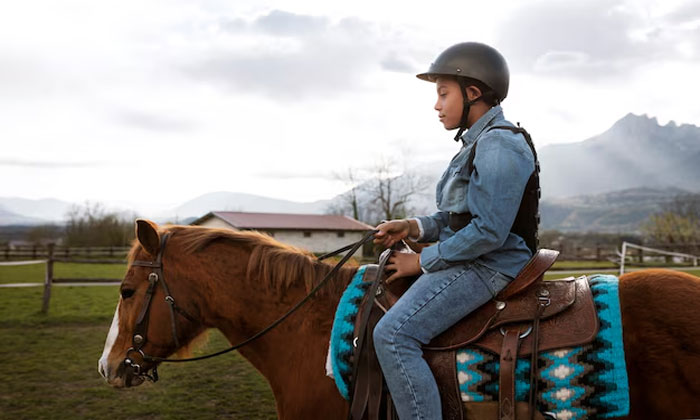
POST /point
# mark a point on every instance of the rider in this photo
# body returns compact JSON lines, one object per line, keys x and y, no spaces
{"x":477,"y":253}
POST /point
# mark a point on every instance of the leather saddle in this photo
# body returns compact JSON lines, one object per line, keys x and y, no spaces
{"x":529,"y":316}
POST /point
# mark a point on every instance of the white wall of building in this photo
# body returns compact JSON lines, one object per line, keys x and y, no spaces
{"x":215,"y":222}
{"x":318,"y":242}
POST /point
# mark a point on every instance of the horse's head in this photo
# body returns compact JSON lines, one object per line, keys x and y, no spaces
{"x":148,"y":322}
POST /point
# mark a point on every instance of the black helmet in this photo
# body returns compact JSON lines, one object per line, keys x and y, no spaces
{"x":473,"y":60}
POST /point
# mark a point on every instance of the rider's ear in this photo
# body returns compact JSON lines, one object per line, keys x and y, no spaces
{"x":147,"y":234}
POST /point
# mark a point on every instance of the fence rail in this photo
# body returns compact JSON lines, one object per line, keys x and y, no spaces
{"x":36,"y":252}
{"x":49,"y":279}
{"x":641,"y":250}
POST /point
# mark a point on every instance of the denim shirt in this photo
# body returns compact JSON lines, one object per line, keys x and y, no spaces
{"x":502,"y":166}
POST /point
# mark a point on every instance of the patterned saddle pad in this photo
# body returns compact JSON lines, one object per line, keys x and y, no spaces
{"x":581,"y":382}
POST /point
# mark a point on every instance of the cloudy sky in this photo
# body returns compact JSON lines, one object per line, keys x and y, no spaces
{"x":152,"y":103}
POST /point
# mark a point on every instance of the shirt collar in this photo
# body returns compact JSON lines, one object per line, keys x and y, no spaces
{"x":480,"y":125}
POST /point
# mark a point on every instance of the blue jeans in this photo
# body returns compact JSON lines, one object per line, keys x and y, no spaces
{"x":432,"y":304}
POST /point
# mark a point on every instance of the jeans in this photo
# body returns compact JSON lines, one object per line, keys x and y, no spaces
{"x":432,"y":304}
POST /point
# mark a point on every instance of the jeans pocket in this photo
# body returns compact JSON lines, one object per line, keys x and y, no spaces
{"x":498,"y":282}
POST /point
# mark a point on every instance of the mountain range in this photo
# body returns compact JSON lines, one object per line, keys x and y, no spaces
{"x":611,"y":182}
{"x":635,"y":152}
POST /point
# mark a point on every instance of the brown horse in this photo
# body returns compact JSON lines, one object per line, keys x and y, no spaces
{"x":240,"y":282}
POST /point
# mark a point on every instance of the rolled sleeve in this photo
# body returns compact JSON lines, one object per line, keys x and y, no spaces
{"x":420,"y":230}
{"x":430,"y":259}
{"x":431,"y":226}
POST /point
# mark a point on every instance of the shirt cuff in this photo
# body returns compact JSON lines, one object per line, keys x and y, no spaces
{"x":430,"y":259}
{"x":420,"y":230}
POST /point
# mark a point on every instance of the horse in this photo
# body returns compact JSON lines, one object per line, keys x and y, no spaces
{"x":242,"y":281}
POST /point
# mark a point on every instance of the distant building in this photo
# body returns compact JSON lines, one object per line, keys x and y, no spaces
{"x":317,"y":233}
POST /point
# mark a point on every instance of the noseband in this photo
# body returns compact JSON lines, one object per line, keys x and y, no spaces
{"x":138,"y":340}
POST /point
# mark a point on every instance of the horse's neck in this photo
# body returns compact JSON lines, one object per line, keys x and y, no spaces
{"x":292,"y":355}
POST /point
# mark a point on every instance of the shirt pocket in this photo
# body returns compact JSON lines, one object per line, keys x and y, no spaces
{"x":454,"y":192}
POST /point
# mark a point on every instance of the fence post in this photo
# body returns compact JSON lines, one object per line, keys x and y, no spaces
{"x":598,"y":253}
{"x":640,"y":255}
{"x":48,"y":280}
{"x":622,"y":258}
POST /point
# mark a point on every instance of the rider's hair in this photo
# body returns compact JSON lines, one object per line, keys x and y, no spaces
{"x":488,"y":95}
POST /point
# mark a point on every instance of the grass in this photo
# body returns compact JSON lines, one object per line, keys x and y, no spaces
{"x":35,"y":273}
{"x":50,"y":367}
{"x":49,"y":361}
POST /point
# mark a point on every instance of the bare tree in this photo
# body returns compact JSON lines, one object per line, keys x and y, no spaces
{"x":92,"y":225}
{"x":349,"y":199}
{"x":678,"y":223}
{"x":391,"y":190}
{"x":383,"y":191}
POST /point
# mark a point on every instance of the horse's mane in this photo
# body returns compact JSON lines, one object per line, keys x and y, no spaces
{"x":276,"y":264}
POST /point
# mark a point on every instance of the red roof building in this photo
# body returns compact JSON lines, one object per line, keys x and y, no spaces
{"x":315,"y":232}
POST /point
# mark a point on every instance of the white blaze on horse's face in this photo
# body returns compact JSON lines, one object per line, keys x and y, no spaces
{"x":103,"y":363}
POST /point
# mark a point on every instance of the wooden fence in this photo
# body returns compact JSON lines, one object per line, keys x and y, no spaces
{"x":37,"y":251}
{"x":51,"y":254}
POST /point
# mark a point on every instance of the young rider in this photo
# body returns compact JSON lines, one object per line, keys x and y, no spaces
{"x":477,"y":253}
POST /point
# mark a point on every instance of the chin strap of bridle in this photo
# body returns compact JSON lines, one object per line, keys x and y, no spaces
{"x":466,"y":105}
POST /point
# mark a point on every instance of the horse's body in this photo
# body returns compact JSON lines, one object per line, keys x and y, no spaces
{"x":240,"y":282}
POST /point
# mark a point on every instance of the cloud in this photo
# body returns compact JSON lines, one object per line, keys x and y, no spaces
{"x":288,"y":55}
{"x":600,"y":39}
{"x":686,"y":13}
{"x":279,"y":22}
{"x":153,"y":122}
{"x":48,"y":164}
{"x":294,"y":174}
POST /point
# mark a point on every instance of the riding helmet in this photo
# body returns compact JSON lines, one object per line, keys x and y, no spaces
{"x":473,"y":60}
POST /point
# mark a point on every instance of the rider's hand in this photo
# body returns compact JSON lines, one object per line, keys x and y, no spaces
{"x":391,"y":232}
{"x":403,"y":265}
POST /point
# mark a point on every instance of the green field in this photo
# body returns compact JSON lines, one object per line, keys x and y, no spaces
{"x":50,"y":361}
{"x":50,"y":367}
{"x":35,"y":273}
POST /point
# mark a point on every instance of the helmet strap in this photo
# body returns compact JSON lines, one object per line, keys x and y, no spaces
{"x":466,"y":105}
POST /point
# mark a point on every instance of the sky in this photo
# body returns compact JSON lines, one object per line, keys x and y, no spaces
{"x":149,"y":104}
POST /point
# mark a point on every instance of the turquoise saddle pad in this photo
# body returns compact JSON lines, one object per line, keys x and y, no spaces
{"x":574,"y":383}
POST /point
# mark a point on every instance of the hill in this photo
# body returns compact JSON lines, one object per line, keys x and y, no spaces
{"x":636,"y":152}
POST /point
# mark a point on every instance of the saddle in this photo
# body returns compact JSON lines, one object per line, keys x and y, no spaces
{"x":529,"y":316}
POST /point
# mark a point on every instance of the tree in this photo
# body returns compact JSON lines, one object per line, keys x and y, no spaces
{"x":678,"y":223}
{"x":44,"y":233}
{"x":380,"y":192}
{"x":349,"y":199}
{"x":391,"y":191}
{"x":92,"y":225}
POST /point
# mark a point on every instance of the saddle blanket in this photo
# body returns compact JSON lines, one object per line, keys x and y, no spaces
{"x":581,"y":382}
{"x":575,"y":383}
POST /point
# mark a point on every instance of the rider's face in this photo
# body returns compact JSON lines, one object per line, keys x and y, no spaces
{"x":449,"y":102}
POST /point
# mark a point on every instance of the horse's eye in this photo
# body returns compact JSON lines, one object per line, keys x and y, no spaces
{"x":127,"y":293}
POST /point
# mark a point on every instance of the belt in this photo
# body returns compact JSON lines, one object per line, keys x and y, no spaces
{"x":459,"y":220}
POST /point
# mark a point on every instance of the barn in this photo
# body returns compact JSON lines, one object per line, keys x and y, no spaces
{"x":318,"y":233}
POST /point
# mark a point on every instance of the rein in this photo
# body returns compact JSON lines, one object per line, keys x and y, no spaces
{"x":141,"y":328}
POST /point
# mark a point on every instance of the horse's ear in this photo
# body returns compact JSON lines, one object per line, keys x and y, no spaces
{"x":147,"y":234}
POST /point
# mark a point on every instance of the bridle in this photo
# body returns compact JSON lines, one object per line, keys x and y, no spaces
{"x":138,"y":339}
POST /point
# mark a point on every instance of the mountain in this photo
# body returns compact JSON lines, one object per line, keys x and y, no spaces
{"x":612,"y":212}
{"x":635,"y":152}
{"x":11,"y":218}
{"x":231,"y":201}
{"x":32,"y":211}
{"x":610,"y":182}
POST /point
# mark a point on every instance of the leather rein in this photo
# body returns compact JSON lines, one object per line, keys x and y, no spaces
{"x":138,"y":339}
